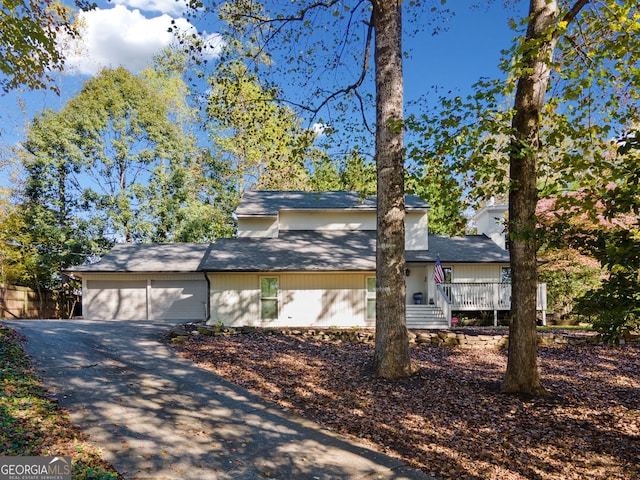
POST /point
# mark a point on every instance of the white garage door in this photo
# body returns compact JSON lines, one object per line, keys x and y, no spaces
{"x":178,"y":299}
{"x":115,"y":300}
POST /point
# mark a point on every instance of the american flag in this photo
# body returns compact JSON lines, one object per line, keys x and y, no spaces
{"x":438,"y":274}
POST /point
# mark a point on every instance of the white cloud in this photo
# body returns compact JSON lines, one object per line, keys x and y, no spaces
{"x":122,"y":37}
{"x":319,"y":129}
{"x":171,"y":7}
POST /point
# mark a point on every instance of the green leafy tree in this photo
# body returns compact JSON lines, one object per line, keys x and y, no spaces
{"x":599,"y":29}
{"x":192,"y":202}
{"x":568,"y":274}
{"x":29,"y":48}
{"x":120,"y":158}
{"x":263,"y":142}
{"x":53,"y":234}
{"x":434,"y":183}
{"x":12,"y":254}
{"x":616,"y":304}
{"x":612,"y":236}
{"x":191,"y":196}
{"x":123,"y":131}
{"x":354,"y":173}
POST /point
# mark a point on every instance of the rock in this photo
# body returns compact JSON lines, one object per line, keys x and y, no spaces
{"x":207,"y":330}
{"x":175,"y":331}
{"x":451,"y":341}
{"x":423,"y":338}
{"x":179,"y":339}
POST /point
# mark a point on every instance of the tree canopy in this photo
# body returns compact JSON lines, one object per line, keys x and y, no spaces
{"x":29,"y":48}
{"x":117,"y":163}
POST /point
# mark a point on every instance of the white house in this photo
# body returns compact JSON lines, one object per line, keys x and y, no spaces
{"x":300,"y":259}
{"x":490,"y":220}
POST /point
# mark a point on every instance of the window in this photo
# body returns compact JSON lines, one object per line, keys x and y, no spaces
{"x":505,"y":274}
{"x":269,"y":290}
{"x":448,"y":274}
{"x":371,"y":298}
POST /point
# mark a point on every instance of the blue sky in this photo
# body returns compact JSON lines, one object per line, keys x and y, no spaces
{"x":130,"y":32}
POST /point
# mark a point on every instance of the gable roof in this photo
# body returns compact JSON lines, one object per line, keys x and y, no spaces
{"x":269,"y":203}
{"x":145,"y":257}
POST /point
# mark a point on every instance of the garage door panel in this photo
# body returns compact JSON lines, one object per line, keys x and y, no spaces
{"x":115,"y":300}
{"x":178,"y":299}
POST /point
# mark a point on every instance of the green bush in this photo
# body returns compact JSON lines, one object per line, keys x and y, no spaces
{"x":615,"y":307}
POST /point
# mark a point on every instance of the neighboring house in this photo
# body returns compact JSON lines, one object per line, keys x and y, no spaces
{"x":300,"y":259}
{"x":490,"y":220}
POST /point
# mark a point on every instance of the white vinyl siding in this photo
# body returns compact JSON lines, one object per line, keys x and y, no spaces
{"x":306,"y":299}
{"x":344,"y":220}
{"x":417,"y":231}
{"x":323,"y":299}
{"x":235,"y":298}
{"x":266,"y":227}
{"x":470,"y":273}
{"x":416,"y":237}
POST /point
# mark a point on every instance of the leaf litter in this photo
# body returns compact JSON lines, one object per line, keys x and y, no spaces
{"x":449,"y":418}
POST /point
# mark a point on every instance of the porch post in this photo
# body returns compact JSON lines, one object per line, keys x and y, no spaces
{"x":496,"y":302}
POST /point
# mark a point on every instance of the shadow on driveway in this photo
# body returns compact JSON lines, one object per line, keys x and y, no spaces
{"x":156,"y":415}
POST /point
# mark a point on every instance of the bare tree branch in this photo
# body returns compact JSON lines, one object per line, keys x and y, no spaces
{"x":353,"y":88}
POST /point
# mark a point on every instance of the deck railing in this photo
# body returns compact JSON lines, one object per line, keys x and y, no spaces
{"x":482,"y":296}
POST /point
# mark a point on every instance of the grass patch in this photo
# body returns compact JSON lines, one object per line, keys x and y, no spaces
{"x":33,"y":424}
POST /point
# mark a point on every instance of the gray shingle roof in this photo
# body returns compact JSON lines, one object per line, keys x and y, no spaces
{"x":467,"y":249}
{"x":293,"y":251}
{"x":132,"y":257}
{"x":335,"y":251}
{"x":269,"y":203}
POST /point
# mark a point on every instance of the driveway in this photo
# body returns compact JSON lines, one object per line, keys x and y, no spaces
{"x":156,"y":415}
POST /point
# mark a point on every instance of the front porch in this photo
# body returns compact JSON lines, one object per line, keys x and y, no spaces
{"x":450,"y":297}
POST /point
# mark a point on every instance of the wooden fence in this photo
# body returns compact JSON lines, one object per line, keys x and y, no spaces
{"x":23,"y":302}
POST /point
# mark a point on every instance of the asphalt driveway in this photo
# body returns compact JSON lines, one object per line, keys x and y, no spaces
{"x":156,"y":415}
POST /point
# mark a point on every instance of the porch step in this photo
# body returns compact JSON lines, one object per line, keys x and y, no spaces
{"x":425,"y":317}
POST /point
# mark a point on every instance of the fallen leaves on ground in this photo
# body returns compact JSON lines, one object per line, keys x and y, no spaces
{"x":449,"y":419}
{"x":31,"y":421}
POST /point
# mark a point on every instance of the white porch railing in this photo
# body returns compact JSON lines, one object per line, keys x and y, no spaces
{"x":482,"y":296}
{"x":443,"y":302}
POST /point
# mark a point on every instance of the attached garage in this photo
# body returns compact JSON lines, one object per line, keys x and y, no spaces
{"x":146,"y":282}
{"x":178,"y":299}
{"x":148,"y":297}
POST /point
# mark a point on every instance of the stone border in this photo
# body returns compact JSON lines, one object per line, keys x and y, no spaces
{"x":438,"y":338}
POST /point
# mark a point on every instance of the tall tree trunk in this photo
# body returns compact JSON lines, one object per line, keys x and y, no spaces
{"x":392,"y":357}
{"x":522,"y":374}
